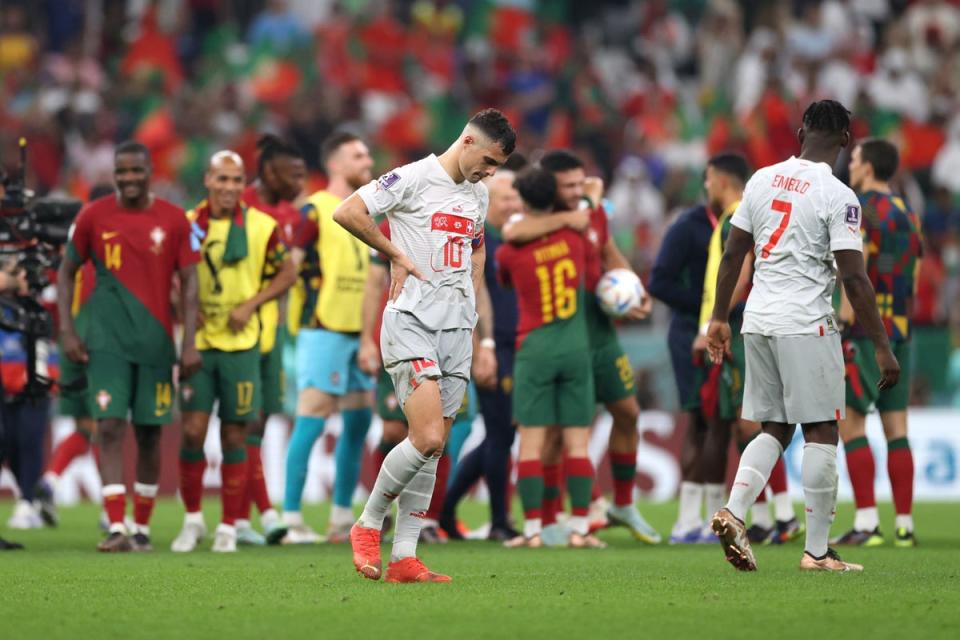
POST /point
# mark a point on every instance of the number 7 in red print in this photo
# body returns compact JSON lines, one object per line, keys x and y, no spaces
{"x":785,"y":208}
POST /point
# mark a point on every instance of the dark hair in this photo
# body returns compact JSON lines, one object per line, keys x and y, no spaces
{"x":537,"y":187}
{"x":515,"y":162}
{"x":100,"y":190}
{"x":732,"y":164}
{"x":131,"y":146}
{"x":333,"y":142}
{"x":495,"y":126}
{"x":560,"y":160}
{"x":827,"y":116}
{"x":270,"y":147}
{"x":881,"y":155}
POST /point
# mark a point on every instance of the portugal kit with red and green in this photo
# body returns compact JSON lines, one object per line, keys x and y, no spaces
{"x":127,"y":322}
{"x":612,"y":372}
{"x":553,"y":375}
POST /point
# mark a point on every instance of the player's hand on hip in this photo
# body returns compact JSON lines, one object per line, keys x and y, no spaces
{"x":578,"y":220}
{"x":190,"y":362}
{"x":400,"y":268}
{"x":368,"y":357}
{"x":74,"y":348}
{"x":485,"y":367}
{"x":718,"y":341}
{"x":640,"y":311}
{"x":240,"y":316}
{"x":889,"y":369}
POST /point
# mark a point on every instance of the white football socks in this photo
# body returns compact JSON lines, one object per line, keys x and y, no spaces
{"x":399,"y":468}
{"x":691,"y":500}
{"x":412,"y":509}
{"x":818,"y":471}
{"x":756,"y":463}
{"x":713,"y":496}
{"x":904,"y":521}
{"x":867,"y":519}
{"x":760,"y":515}
{"x":783,"y":507}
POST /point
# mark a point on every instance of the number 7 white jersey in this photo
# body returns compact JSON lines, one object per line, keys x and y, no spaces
{"x":436,"y":223}
{"x":798,"y":214}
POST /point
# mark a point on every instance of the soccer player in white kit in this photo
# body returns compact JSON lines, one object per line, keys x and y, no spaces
{"x":797,"y":218}
{"x":436,"y":209}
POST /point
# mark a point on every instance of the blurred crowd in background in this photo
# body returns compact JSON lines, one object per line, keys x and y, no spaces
{"x":644,"y":91}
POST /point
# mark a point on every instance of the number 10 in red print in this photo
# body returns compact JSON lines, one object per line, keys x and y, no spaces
{"x":785,"y":208}
{"x":453,"y":252}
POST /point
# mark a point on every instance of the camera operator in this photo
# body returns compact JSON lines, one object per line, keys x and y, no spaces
{"x":25,"y":418}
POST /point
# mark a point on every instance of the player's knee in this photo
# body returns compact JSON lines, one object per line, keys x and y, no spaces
{"x":315,"y":403}
{"x":110,"y":433}
{"x":148,"y":437}
{"x":232,"y":436}
{"x":429,"y":438}
{"x":626,"y":413}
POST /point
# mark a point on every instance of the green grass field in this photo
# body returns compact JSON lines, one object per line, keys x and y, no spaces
{"x":61,"y":588}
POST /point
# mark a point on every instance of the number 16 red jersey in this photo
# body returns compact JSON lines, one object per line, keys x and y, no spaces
{"x":548,"y":277}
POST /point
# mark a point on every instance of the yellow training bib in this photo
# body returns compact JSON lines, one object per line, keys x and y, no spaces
{"x":344,"y":261}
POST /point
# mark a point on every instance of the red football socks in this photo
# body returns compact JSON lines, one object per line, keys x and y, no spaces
{"x":233,"y":489}
{"x":862,"y":470}
{"x":900,"y":469}
{"x":192,"y":466}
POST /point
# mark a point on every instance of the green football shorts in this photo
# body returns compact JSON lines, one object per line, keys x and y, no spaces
{"x":233,"y":378}
{"x":862,"y":374}
{"x":117,"y":388}
{"x":553,"y":390}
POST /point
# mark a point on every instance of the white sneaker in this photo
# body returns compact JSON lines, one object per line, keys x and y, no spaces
{"x":191,"y":534}
{"x":555,"y":535}
{"x":247,"y":535}
{"x":301,"y":534}
{"x":597,"y":515}
{"x":25,"y":516}
{"x":225,"y":539}
{"x":339,"y":534}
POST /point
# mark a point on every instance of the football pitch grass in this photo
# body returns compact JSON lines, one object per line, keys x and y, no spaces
{"x":61,"y":588}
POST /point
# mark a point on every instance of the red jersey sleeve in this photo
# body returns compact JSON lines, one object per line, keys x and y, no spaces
{"x":81,"y":236}
{"x":188,"y":246}
{"x":308,"y":229}
{"x":276,"y":249}
{"x":502,"y":259}
{"x":598,"y":221}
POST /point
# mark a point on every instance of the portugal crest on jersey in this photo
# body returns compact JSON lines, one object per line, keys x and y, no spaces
{"x":157,"y":236}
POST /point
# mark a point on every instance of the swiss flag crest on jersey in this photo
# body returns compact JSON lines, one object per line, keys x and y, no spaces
{"x":450,"y":223}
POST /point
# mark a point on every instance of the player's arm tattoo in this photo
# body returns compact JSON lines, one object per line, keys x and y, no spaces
{"x":189,"y":301}
{"x":862,"y":298}
{"x":352,"y":215}
{"x":66,"y":281}
{"x":731,"y":264}
{"x":378,"y":277}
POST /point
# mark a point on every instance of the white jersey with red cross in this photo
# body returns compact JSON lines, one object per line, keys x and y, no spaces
{"x":436,"y":223}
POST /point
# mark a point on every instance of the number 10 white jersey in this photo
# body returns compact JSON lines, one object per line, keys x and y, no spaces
{"x":436,"y":223}
{"x":798,"y":214}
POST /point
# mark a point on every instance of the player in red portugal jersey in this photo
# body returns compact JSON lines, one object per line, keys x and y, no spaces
{"x":553,"y":376}
{"x":124,"y":333}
